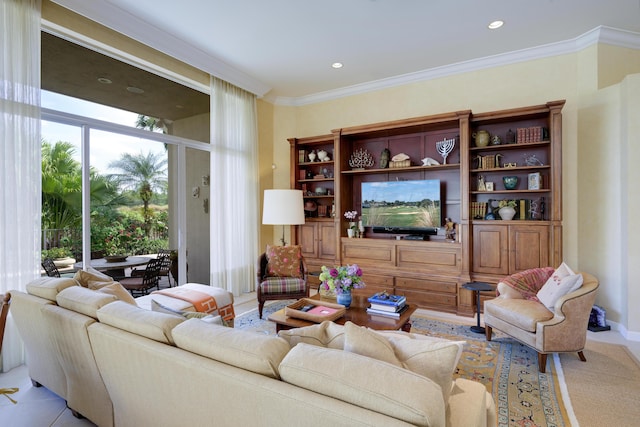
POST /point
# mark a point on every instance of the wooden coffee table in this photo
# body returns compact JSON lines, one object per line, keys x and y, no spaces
{"x":356,"y":313}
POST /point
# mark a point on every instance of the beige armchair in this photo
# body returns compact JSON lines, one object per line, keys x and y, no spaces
{"x":531,"y":323}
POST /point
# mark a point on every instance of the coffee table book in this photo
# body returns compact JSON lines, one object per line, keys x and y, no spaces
{"x":394,"y":314}
{"x":383,"y":298}
{"x":322,"y":311}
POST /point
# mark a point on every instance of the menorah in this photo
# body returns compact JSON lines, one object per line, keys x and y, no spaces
{"x":445,"y":147}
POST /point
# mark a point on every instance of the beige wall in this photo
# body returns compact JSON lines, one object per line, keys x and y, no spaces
{"x":592,"y":152}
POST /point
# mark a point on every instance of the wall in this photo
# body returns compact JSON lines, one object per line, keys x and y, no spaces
{"x":573,"y":77}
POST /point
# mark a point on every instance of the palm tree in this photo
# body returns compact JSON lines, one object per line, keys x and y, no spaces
{"x":143,"y":174}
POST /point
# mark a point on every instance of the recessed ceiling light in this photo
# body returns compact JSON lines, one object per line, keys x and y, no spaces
{"x":337,"y":65}
{"x":178,"y":106}
{"x":134,"y":89}
{"x":104,"y":80}
{"x":495,"y":25}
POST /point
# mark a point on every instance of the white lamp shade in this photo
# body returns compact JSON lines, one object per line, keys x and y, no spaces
{"x":283,"y":207}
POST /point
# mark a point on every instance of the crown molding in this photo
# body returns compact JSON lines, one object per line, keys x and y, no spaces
{"x":107,"y":14}
{"x":599,"y":34}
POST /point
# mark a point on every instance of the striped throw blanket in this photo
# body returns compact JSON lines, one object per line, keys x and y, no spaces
{"x":201,"y":301}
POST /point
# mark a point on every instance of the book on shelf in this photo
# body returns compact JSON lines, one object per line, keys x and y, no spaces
{"x":384,"y":298}
{"x":395,"y":314}
{"x":389,"y":308}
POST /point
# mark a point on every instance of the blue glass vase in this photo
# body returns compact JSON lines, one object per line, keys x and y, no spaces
{"x":344,"y":298}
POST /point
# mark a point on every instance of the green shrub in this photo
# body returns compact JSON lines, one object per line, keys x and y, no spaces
{"x":56,"y":253}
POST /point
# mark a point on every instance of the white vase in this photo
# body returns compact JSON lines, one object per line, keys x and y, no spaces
{"x":506,"y":213}
{"x":351,"y":232}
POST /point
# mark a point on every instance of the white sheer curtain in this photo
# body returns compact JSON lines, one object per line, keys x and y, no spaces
{"x":20,"y":171}
{"x":234,"y":187}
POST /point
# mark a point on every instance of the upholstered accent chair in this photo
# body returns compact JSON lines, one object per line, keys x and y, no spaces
{"x":561,"y":329}
{"x":277,"y":281}
{"x":4,"y":311}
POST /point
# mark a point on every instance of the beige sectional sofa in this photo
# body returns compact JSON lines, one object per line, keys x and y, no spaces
{"x":123,"y":365}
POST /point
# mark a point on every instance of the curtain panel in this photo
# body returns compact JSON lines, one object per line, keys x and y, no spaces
{"x":20,"y":171}
{"x":234,"y":188}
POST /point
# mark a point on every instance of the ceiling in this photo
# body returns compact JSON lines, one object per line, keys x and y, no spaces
{"x":283,"y":49}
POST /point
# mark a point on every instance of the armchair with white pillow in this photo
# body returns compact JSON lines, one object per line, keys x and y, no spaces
{"x":545,"y":309}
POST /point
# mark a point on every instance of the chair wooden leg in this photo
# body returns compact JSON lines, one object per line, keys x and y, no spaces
{"x":581,"y":356}
{"x":487,"y":332}
{"x":260,"y":307}
{"x":542,"y":362}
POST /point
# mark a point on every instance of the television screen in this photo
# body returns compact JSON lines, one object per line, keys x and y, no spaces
{"x":402,"y":206}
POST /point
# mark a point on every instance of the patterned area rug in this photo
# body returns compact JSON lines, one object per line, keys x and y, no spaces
{"x":524,"y":397}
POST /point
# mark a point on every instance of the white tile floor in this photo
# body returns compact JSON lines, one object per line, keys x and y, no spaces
{"x":38,"y":407}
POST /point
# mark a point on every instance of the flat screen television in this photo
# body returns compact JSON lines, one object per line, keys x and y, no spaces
{"x":402,"y":207}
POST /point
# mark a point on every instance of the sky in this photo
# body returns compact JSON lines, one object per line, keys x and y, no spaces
{"x":105,"y":147}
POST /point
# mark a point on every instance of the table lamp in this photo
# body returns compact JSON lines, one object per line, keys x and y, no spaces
{"x":283,"y":207}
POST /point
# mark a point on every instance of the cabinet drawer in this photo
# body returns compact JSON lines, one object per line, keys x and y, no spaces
{"x":435,"y":300}
{"x":428,"y":259}
{"x":426,"y":285}
{"x":368,"y":254}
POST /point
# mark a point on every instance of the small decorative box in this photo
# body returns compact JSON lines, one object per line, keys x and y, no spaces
{"x":318,"y":312}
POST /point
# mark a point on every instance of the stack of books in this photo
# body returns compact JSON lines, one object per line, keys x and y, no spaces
{"x":384,"y":304}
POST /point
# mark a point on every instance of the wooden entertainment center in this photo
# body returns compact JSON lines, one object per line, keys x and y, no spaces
{"x":523,"y":142}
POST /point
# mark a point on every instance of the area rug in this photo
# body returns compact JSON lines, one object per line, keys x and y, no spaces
{"x":509,"y":370}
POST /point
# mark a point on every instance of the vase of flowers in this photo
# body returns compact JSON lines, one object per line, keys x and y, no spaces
{"x":351,"y":216}
{"x":341,"y":280}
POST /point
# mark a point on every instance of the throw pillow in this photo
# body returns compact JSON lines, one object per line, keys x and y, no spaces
{"x":562,"y":281}
{"x":92,"y":278}
{"x":117,"y":290}
{"x":529,"y":282}
{"x":326,"y":334}
{"x":284,"y":261}
{"x":366,"y":342}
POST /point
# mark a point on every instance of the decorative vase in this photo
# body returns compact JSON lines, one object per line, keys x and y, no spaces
{"x":481,"y":138}
{"x":351,"y":232}
{"x":344,"y":298}
{"x":327,"y":293}
{"x":510,"y":182}
{"x":506,"y":213}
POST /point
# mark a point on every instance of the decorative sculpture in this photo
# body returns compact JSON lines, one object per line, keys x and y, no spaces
{"x":361,"y":159}
{"x":445,"y":147}
{"x":428,"y":161}
{"x":384,"y":158}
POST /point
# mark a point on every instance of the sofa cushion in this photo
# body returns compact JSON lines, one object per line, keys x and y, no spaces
{"x":521,"y":313}
{"x":368,"y":383}
{"x":49,"y":287}
{"x":562,"y":281}
{"x":434,"y":358}
{"x":325,"y":334}
{"x":149,"y":324}
{"x":284,"y":261}
{"x":243,"y":349}
{"x":83,"y":300}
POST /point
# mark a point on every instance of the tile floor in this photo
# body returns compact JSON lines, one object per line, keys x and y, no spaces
{"x":38,"y":407}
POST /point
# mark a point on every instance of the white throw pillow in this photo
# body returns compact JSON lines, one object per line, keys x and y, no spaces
{"x":561,"y":282}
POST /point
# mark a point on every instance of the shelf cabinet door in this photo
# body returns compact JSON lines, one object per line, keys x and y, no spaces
{"x":307,"y":240}
{"x":326,"y":240}
{"x":491,"y":249}
{"x":528,"y":247}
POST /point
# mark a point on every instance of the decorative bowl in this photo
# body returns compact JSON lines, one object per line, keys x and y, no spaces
{"x":116,"y":258}
{"x":510,"y":182}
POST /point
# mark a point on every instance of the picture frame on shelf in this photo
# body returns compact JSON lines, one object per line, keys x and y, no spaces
{"x":488,"y":186}
{"x":534,"y":181}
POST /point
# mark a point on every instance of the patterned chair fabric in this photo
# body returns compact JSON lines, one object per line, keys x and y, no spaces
{"x":279,"y":288}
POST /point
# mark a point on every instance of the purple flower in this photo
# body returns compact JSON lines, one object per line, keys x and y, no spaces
{"x":333,"y":272}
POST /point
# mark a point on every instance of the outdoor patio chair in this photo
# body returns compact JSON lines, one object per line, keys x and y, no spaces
{"x":150,"y":279}
{"x":50,"y":268}
{"x":165,"y":268}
